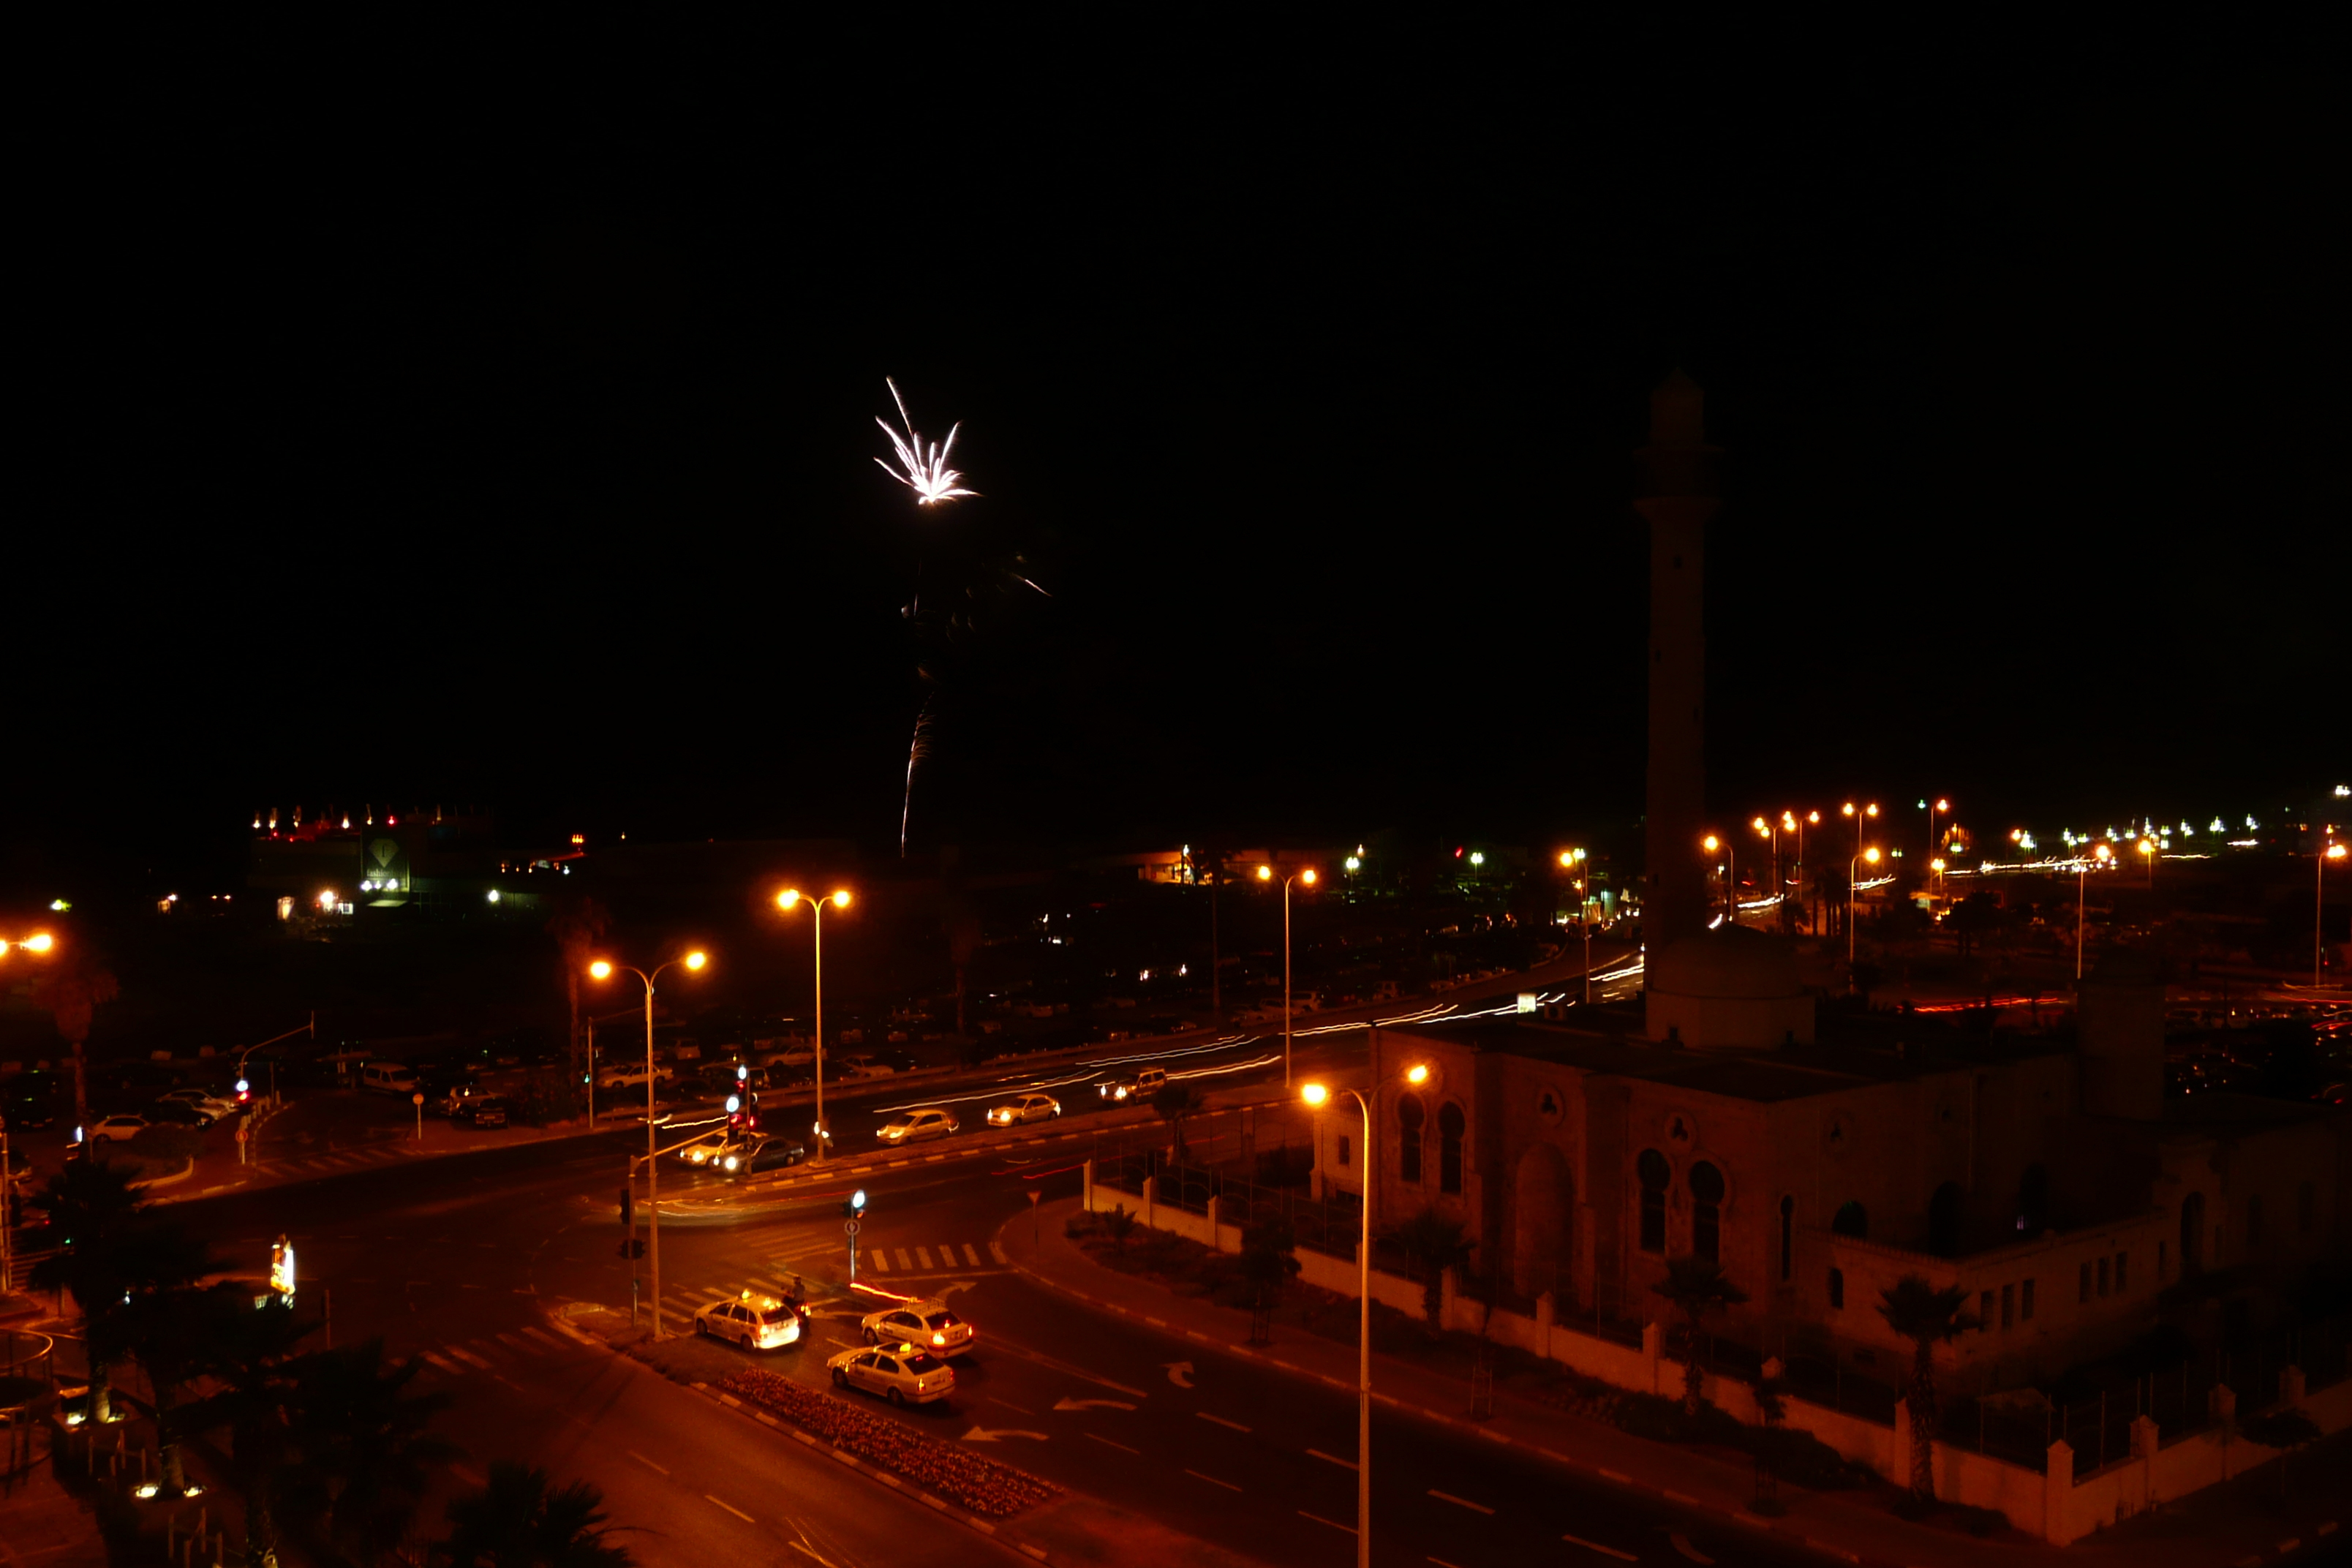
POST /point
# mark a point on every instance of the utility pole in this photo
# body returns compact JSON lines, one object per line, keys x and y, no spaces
{"x":1216,"y":976}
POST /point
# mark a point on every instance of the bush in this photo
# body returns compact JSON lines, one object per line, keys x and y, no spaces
{"x":1981,"y":1521}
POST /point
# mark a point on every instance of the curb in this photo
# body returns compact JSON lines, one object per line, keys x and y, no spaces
{"x":940,"y":1506}
{"x":1462,"y":1424}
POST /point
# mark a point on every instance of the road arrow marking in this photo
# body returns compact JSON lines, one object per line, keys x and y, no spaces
{"x":1179,"y":1373}
{"x":1604,"y":1551}
{"x":1067,"y":1404}
{"x":982,"y":1435}
{"x":953,"y":1286}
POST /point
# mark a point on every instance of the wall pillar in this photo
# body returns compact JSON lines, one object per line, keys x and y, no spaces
{"x":1216,"y":1237}
{"x":1547,"y":1313}
{"x":2057,"y":1494}
{"x":1654,"y":1345}
{"x":1449,"y":1292}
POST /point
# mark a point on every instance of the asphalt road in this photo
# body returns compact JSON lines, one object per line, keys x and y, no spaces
{"x":461,"y":1261}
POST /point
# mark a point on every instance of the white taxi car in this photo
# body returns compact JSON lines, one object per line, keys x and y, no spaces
{"x":755,"y":1323}
{"x":914,"y":1126}
{"x":900,"y":1374}
{"x":1022,"y":1109}
{"x":928,"y":1324}
{"x":711,"y":1148}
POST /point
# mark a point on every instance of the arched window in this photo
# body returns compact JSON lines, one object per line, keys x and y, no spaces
{"x":1852,"y":1219}
{"x":2192,"y":1234}
{"x":1451,"y":1124}
{"x":1944,"y":1216}
{"x":1707,"y":1212}
{"x":1787,"y":1238}
{"x":1410,"y":1117}
{"x":1654,"y":1173}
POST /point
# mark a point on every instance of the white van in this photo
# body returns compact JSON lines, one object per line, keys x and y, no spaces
{"x":387,"y":1077}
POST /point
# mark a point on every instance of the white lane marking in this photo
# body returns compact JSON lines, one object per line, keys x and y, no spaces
{"x":1604,"y":1551}
{"x":1332,"y":1459}
{"x":903,"y":1261}
{"x":515,"y":1341}
{"x":1212,"y":1481}
{"x":730,"y":1508}
{"x":1220,"y":1420}
{"x":923,"y":1254}
{"x":1332,"y":1523}
{"x":1441,"y":1563}
{"x":1120,"y":1447}
{"x":997,"y":1252}
{"x":450,"y":1367}
{"x":806,"y":1552}
{"x":1462,"y":1502}
{"x":646,"y":1462}
{"x":468,"y":1357}
{"x":1683,"y":1545}
{"x":970,"y":1255}
{"x":1010,"y":1406}
{"x":880,"y":1259}
{"x":541,"y":1337}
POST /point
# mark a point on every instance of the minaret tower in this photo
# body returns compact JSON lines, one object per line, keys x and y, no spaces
{"x":1678,"y":494}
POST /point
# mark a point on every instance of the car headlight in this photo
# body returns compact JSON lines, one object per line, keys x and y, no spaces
{"x":731,"y":1162}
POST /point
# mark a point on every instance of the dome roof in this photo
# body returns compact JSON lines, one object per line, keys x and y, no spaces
{"x":1734,"y":964}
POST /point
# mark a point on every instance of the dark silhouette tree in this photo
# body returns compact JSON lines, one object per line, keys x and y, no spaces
{"x":251,"y":1362}
{"x":1174,"y":1102}
{"x":361,"y":1452}
{"x":1695,"y":1287}
{"x":1927,"y":1317}
{"x":1118,"y":1225}
{"x":1270,"y":1257}
{"x":1432,"y":1243}
{"x":70,"y":990}
{"x":110,"y":1252}
{"x":517,"y":1520}
{"x":577,"y":926}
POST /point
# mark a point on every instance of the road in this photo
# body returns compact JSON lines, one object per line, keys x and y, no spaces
{"x":461,"y":1261}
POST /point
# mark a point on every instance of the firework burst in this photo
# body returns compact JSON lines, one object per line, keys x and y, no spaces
{"x":922,"y":470}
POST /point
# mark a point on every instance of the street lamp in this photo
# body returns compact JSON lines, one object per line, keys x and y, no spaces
{"x":603,"y":969}
{"x":2147,"y":853}
{"x":1266,"y":874}
{"x":1939,"y":807}
{"x":839,"y":900}
{"x":40,"y":942}
{"x":1316,"y":1094}
{"x":2101,"y":853}
{"x":1766,"y":830}
{"x":1869,"y":855}
{"x":1730,"y":889}
{"x":1570,"y":859}
{"x":2318,"y":900}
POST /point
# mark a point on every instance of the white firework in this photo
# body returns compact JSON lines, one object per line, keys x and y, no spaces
{"x":921,"y":469}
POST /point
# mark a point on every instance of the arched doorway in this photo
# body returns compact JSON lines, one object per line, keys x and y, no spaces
{"x":1852,"y":1219}
{"x":1945,"y":1214}
{"x":2192,"y":1233}
{"x":1543,"y":1198}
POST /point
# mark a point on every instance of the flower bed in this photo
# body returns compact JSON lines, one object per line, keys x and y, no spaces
{"x":985,"y":1487}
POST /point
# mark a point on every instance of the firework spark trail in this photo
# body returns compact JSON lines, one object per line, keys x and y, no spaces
{"x":916,"y":749}
{"x":924,"y":471}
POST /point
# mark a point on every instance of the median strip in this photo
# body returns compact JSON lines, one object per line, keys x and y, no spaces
{"x":982,"y":1485}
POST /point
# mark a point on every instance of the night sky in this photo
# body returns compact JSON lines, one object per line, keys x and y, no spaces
{"x":491,"y":419}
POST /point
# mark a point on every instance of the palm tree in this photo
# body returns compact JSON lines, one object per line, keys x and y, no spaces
{"x":1432,"y":1243}
{"x":251,"y":1360}
{"x":1695,"y":1286}
{"x":1174,"y":1102}
{"x":70,"y":992}
{"x":361,"y":1448}
{"x":111,"y":1252}
{"x":174,"y":1333}
{"x":1270,"y":1257}
{"x":1927,"y":1317}
{"x":516,"y":1521}
{"x":577,"y":926}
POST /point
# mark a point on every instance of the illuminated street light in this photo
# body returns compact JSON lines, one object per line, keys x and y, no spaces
{"x":2147,"y":853}
{"x":2101,"y":854}
{"x":839,"y":898}
{"x":1307,"y":877}
{"x":1570,"y":859}
{"x":1869,"y":855}
{"x":1730,"y":889}
{"x":40,"y":942}
{"x":2318,"y":902}
{"x":602,"y":969}
{"x":1317,"y":1095}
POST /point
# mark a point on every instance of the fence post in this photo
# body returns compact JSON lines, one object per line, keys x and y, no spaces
{"x":1086,"y":1185}
{"x":2057,"y":1492}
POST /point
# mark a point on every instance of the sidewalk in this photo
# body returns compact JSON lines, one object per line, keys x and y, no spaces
{"x":1855,"y":1526}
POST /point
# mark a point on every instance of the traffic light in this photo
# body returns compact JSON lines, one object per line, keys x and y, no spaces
{"x":628,"y":1208}
{"x":854,"y":1205}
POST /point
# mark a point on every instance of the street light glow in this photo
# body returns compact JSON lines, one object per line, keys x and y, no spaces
{"x":1711,"y":843}
{"x":1314,"y":1094}
{"x":696,"y":959}
{"x":1265,"y":873}
{"x":1870,"y":855}
{"x":1417,"y":1073}
{"x":600,"y":970}
{"x":1308,"y":876}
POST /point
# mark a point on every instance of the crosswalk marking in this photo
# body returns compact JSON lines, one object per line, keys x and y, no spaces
{"x":514,"y":1341}
{"x":442,"y":1362}
{"x":770,"y":1286}
{"x":923,"y":1255}
{"x":546,"y":1341}
{"x":970,"y":1255}
{"x":468,"y":1357}
{"x":903,"y":1262}
{"x":880,"y":1258}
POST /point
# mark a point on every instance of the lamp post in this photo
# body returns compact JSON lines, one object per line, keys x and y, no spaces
{"x":600,"y":970}
{"x":1731,"y":896}
{"x":1813,"y":819}
{"x":38,"y":943}
{"x":839,"y":900}
{"x":1570,"y":859}
{"x":1767,"y":829}
{"x":1934,"y":808}
{"x":1316,"y":1094}
{"x":1266,"y":874}
{"x":2101,"y":853}
{"x":2147,"y":853}
{"x":1869,"y":855}
{"x":2319,"y":902}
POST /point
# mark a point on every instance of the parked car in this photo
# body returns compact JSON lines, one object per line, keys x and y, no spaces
{"x":179,"y":1112}
{"x":118,"y":1128}
{"x":629,"y":1074}
{"x":914,"y":1126}
{"x":212,"y":1105}
{"x":481,"y":1110}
